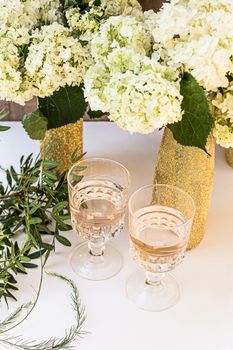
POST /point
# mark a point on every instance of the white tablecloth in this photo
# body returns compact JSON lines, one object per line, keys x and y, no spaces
{"x":202,"y":319}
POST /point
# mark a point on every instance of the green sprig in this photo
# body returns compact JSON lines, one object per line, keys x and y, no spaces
{"x":34,"y":201}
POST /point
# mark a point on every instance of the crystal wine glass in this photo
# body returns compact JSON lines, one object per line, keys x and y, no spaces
{"x":160,"y":221}
{"x":98,"y":195}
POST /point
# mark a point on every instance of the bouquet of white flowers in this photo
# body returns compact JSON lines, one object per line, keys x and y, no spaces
{"x":201,"y":38}
{"x":138,"y":83}
{"x":44,"y":52}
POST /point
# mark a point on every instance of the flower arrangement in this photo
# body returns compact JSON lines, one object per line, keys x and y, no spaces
{"x":141,"y":86}
{"x":142,"y":65}
{"x":44,"y":52}
{"x":201,"y":38}
{"x":18,"y":21}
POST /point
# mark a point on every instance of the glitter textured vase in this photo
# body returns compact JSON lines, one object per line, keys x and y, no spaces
{"x":192,"y":170}
{"x":229,"y":156}
{"x":59,"y":144}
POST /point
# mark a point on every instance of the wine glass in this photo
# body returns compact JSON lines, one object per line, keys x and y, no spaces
{"x":98,"y":195}
{"x":160,"y":221}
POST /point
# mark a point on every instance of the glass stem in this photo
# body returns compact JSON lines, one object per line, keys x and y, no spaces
{"x":154,"y":278}
{"x":96,"y":246}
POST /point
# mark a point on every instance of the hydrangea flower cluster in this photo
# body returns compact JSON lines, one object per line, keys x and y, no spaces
{"x":86,"y":23}
{"x":200,"y":37}
{"x":39,"y":53}
{"x":18,"y":19}
{"x":138,"y":90}
{"x":55,"y":58}
{"x":223,"y":130}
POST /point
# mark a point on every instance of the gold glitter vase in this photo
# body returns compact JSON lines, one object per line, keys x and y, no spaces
{"x":192,"y":170}
{"x":59,"y":144}
{"x":229,"y":156}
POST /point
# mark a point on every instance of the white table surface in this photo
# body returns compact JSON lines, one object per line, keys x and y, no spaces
{"x":203,"y":317}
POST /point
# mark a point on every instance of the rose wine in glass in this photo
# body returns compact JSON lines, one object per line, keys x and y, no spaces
{"x":98,"y":193}
{"x":160,"y":223}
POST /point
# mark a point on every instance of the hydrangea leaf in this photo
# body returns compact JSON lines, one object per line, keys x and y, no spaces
{"x":197,"y":121}
{"x":67,"y":105}
{"x":35,"y":124}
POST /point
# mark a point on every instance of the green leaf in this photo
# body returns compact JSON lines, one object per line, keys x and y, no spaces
{"x":197,"y":121}
{"x":67,"y":105}
{"x":46,"y":257}
{"x":29,"y":265}
{"x":50,"y":164}
{"x":37,"y":254}
{"x":34,"y":209}
{"x":10,"y":295}
{"x":13,"y":173}
{"x":35,"y":221}
{"x":47,"y":246}
{"x":25,"y":259}
{"x":96,"y":114}
{"x":35,"y":124}
{"x":60,"y":206}
{"x":63,"y":240}
{"x":49,"y":175}
{"x":11,"y":279}
{"x":4,"y":128}
{"x":10,"y":286}
{"x":20,"y":266}
{"x":9,"y":178}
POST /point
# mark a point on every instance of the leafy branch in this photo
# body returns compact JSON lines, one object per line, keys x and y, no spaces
{"x":34,"y":201}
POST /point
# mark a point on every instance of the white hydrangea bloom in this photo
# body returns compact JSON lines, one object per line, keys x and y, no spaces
{"x":85,"y":24}
{"x":121,"y":31}
{"x":12,"y":84}
{"x":18,"y":18}
{"x":200,"y":37}
{"x":223,"y":130}
{"x":15,"y":22}
{"x":141,"y":93}
{"x":55,"y":58}
{"x":88,"y":23}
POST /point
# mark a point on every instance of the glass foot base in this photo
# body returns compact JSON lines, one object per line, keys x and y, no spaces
{"x":95,"y":268}
{"x":152,"y":298}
